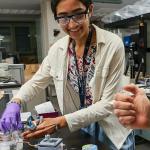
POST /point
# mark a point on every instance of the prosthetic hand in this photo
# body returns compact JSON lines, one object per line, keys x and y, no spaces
{"x":10,"y":119}
{"x":47,"y":126}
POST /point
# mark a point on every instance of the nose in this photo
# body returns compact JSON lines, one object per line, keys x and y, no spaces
{"x":72,"y":23}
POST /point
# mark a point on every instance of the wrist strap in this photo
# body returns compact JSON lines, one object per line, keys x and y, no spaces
{"x":14,"y":102}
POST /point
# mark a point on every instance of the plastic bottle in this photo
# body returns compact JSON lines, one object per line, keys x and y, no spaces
{"x":89,"y":147}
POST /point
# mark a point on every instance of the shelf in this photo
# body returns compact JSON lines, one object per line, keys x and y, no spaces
{"x":127,"y":22}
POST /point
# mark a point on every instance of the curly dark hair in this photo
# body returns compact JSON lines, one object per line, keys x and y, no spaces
{"x":54,"y":4}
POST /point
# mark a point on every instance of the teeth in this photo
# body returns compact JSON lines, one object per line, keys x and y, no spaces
{"x":73,"y":30}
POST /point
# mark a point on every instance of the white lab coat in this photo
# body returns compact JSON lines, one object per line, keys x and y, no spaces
{"x":109,"y":67}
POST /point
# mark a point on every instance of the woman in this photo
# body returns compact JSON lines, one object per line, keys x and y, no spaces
{"x":86,"y":67}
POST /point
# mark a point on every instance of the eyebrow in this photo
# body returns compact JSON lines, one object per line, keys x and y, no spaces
{"x":72,"y":12}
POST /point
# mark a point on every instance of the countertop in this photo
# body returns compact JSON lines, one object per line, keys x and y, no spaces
{"x":72,"y":141}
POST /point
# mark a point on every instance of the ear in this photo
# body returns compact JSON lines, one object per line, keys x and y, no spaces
{"x":91,"y":10}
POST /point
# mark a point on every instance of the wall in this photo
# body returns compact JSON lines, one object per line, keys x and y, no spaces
{"x":148,"y":33}
{"x":148,"y":45}
{"x":38,"y":39}
{"x":48,"y":24}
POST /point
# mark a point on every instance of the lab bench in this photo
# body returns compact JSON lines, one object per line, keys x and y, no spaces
{"x":72,"y":141}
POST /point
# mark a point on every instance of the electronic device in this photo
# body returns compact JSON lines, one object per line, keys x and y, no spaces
{"x":49,"y":143}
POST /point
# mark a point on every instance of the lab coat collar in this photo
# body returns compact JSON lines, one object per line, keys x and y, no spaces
{"x":99,"y":35}
{"x":64,"y":44}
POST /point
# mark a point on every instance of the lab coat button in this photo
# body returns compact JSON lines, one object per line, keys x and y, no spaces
{"x":61,"y":49}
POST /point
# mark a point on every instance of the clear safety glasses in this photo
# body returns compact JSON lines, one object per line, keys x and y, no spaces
{"x":78,"y":18}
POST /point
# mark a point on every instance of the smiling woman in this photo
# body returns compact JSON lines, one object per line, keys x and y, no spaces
{"x":73,"y":17}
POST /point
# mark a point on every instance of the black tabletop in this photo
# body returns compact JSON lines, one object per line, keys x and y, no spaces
{"x":8,"y":85}
{"x":72,"y":141}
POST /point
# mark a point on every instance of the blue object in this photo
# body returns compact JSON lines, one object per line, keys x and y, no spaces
{"x":127,"y":40}
{"x":32,"y":123}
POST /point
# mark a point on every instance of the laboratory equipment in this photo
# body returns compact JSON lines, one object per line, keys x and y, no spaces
{"x":49,"y":143}
{"x":89,"y":147}
{"x":30,"y":121}
{"x":11,"y":141}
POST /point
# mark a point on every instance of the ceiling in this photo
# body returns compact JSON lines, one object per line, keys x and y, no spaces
{"x":20,"y":4}
{"x":101,"y":9}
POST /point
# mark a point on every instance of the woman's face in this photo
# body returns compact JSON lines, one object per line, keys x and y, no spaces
{"x":73,"y":18}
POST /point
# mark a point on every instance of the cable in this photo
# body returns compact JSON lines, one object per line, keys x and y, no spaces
{"x":27,"y":142}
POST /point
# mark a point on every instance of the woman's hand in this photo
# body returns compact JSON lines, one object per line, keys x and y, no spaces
{"x":11,"y":120}
{"x":48,"y":126}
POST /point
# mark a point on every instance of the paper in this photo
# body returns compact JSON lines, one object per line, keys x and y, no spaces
{"x":46,"y":107}
{"x":25,"y":116}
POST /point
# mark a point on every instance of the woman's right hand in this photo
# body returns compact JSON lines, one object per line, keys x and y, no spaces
{"x":10,"y":119}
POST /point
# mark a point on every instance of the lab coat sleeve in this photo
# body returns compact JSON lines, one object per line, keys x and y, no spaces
{"x":102,"y":108}
{"x":39,"y":81}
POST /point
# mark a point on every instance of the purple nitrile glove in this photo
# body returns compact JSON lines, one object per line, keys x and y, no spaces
{"x":10,"y":119}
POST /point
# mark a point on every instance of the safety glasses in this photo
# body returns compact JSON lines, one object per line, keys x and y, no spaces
{"x":77,"y":17}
